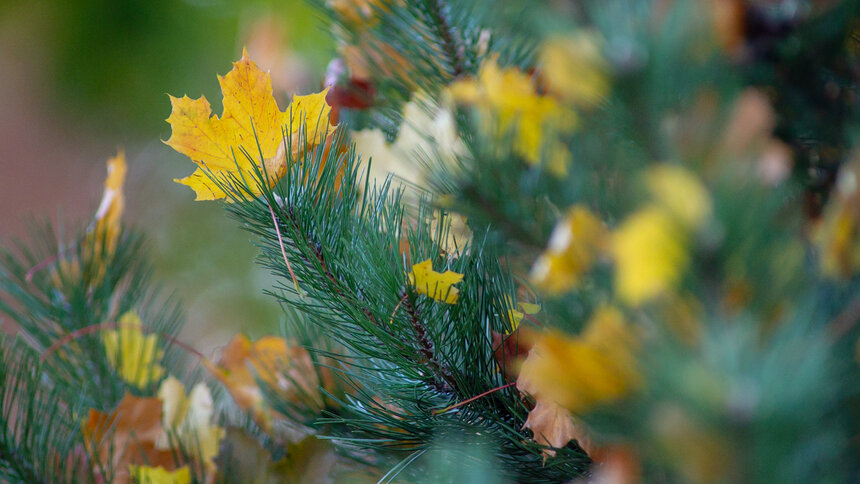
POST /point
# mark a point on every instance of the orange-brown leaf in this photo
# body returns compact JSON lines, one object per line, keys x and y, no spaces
{"x":127,"y":436}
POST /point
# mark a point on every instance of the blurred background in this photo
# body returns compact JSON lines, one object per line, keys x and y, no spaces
{"x":80,"y":78}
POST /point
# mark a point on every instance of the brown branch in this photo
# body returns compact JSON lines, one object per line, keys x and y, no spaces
{"x":448,"y":37}
{"x":426,"y":349}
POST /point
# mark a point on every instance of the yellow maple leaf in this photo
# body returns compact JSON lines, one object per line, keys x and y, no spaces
{"x":437,"y":285}
{"x":581,"y":372}
{"x":132,"y":354}
{"x":188,"y":418}
{"x":159,"y":475}
{"x":250,"y":115}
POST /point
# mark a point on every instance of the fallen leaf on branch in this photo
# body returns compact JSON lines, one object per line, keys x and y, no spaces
{"x":285,"y":368}
{"x":437,"y":285}
{"x":511,"y":349}
{"x":250,"y":116}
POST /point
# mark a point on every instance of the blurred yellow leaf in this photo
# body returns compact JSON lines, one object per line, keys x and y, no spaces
{"x":509,"y":102}
{"x":357,"y":12}
{"x":837,"y":235}
{"x":102,"y":235}
{"x":650,"y":255}
{"x":250,"y":115}
{"x":308,"y":461}
{"x":516,"y":316}
{"x":105,"y":227}
{"x":159,"y":475}
{"x":132,"y":354}
{"x":573,"y":246}
{"x":581,"y":372}
{"x":437,"y":285}
{"x":574,"y":67}
{"x":679,"y":191}
{"x":189,"y":419}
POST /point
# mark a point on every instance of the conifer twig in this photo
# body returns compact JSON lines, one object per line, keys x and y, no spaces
{"x":447,"y":36}
{"x":93,"y":328}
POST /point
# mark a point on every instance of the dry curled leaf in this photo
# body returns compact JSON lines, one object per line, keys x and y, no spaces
{"x":552,"y":425}
{"x":127,"y":437}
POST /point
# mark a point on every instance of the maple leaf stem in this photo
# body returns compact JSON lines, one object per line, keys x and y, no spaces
{"x":284,"y":253}
{"x":470,"y":400}
{"x":93,"y":328}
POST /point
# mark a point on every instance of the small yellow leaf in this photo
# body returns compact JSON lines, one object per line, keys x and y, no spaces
{"x":250,"y":115}
{"x":189,"y":419}
{"x":132,"y":354}
{"x":158,"y":475}
{"x":516,"y":316}
{"x":437,"y":285}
